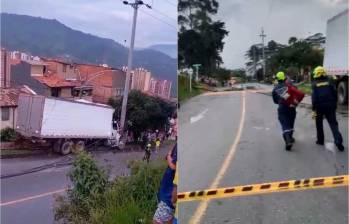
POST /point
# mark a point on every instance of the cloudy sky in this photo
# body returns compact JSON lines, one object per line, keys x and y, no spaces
{"x":280,"y":19}
{"x":106,"y":18}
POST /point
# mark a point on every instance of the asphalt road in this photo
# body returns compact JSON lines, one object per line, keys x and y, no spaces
{"x":29,"y":198}
{"x":208,"y":127}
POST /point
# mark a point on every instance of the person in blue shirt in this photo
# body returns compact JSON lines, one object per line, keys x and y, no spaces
{"x":286,"y":113}
{"x":165,"y":209}
{"x":324,"y":102}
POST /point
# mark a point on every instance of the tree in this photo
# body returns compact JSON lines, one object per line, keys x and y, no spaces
{"x":222,"y":74}
{"x":298,"y":55}
{"x":200,"y":38}
{"x":144,"y":112}
{"x":292,"y":40}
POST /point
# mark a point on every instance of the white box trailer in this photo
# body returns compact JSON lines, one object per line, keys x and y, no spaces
{"x":336,"y":59}
{"x":69,"y":125}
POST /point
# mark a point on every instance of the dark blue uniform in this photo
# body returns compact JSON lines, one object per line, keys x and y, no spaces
{"x":286,"y":114}
{"x":324,"y":100}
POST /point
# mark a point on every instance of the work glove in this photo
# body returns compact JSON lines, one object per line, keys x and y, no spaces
{"x":313,"y":115}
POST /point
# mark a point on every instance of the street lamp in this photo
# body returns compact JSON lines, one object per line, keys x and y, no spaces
{"x":135,"y":5}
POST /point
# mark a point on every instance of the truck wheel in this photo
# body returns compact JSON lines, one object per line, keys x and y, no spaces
{"x":79,"y":146}
{"x":342,"y":92}
{"x":67,"y":147}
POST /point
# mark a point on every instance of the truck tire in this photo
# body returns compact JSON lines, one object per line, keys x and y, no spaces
{"x":342,"y":91}
{"x":67,"y":147}
{"x":79,"y":146}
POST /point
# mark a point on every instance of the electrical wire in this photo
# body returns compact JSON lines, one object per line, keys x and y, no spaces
{"x":173,"y":19}
{"x":172,"y":26}
{"x":171,"y":3}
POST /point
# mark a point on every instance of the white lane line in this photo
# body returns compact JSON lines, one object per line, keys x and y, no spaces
{"x":198,"y":117}
{"x":32,"y":197}
{"x":200,"y":211}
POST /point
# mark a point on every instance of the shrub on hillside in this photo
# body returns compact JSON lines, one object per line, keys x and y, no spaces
{"x":129,"y":199}
{"x":8,"y":134}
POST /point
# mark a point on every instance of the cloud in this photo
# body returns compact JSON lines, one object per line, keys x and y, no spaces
{"x":104,"y":18}
{"x":281,"y":19}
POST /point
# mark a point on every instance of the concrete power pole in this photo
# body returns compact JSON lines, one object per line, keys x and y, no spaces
{"x":254,"y":62}
{"x":135,"y":7}
{"x":263,"y":52}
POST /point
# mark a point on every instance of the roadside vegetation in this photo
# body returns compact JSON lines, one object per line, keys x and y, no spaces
{"x":7,"y":135}
{"x":92,"y":199}
{"x":305,"y":87}
{"x":184,"y":88}
{"x":297,"y":59}
{"x":144,"y":112}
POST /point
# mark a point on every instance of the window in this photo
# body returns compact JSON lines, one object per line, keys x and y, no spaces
{"x":5,"y":113}
{"x":64,"y":68}
{"x":55,"y":92}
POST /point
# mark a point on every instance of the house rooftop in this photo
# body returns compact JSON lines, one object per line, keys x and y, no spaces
{"x":55,"y":81}
{"x":9,"y":96}
{"x":57,"y":60}
{"x":32,"y":62}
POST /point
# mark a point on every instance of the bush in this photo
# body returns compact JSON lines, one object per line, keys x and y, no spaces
{"x":86,"y":177}
{"x":88,"y":181}
{"x":125,"y":200}
{"x":8,"y":134}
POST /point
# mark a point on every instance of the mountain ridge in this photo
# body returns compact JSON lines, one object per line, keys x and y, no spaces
{"x":50,"y":38}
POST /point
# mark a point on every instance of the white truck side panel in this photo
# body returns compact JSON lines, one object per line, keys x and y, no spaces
{"x":73,"y":120}
{"x":337,"y":44}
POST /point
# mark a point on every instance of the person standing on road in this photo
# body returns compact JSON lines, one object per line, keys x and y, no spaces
{"x":147,"y":153}
{"x":286,"y":112}
{"x":324,"y":101}
{"x":157,"y":145}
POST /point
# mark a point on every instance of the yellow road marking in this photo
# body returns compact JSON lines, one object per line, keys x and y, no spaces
{"x":200,"y":211}
{"x":236,"y":91}
{"x":264,"y":188}
{"x":32,"y":197}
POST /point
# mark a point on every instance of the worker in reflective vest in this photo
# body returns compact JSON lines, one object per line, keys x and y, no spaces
{"x":286,"y":112}
{"x":324,"y":102}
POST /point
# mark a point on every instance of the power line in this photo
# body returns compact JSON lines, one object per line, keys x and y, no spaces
{"x":174,"y":27}
{"x":171,"y":3}
{"x":164,"y":14}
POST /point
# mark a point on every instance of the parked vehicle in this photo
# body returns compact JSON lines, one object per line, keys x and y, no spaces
{"x":336,"y":60}
{"x":68,"y":125}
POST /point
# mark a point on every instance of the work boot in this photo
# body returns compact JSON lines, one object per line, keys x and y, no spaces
{"x":293,"y":140}
{"x":319,"y":142}
{"x":288,"y":141}
{"x":340,"y":147}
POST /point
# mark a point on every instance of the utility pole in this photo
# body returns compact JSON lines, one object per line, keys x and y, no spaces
{"x":254,"y":61}
{"x":197,"y":66}
{"x":135,"y":5}
{"x":263,"y":36}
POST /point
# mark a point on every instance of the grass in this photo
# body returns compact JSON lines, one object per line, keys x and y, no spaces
{"x":126,"y":200}
{"x":305,"y":87}
{"x":184,"y":90}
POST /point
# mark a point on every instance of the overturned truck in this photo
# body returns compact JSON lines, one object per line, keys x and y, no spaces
{"x":68,"y":125}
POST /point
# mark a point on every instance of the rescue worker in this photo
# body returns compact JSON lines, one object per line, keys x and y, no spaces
{"x":324,"y":101}
{"x":286,"y":113}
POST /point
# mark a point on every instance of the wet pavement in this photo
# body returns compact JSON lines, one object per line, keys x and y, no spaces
{"x":208,"y":126}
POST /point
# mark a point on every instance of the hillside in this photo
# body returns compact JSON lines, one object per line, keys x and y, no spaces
{"x":50,"y":38}
{"x":169,"y":49}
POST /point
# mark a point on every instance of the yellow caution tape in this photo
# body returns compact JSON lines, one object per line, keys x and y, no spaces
{"x":272,"y":187}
